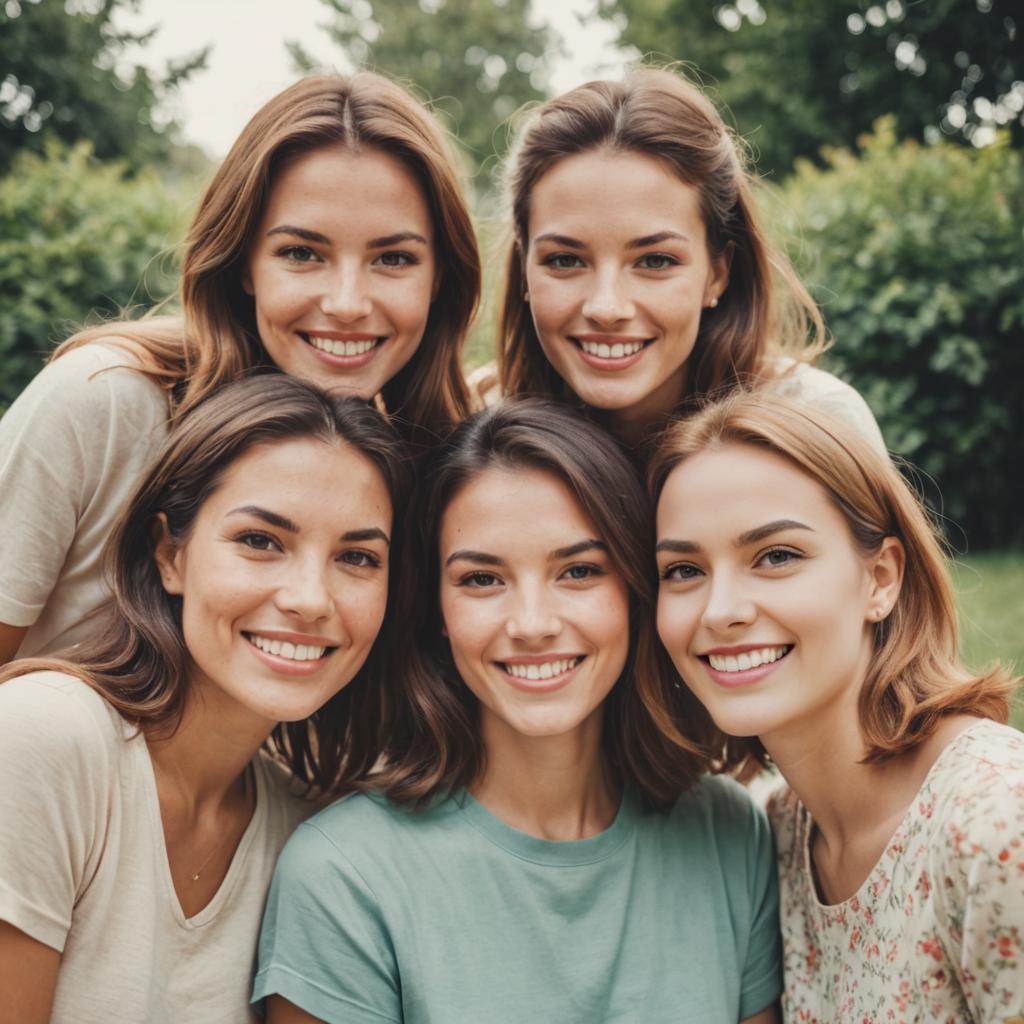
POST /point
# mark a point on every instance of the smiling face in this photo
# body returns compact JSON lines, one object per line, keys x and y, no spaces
{"x":766,"y":605}
{"x":536,"y":614}
{"x":283,"y":578}
{"x":618,"y":274}
{"x":342,"y":269}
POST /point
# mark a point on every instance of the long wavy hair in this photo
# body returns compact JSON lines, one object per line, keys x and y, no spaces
{"x":433,"y":741}
{"x":764,"y":311}
{"x":140,"y":664}
{"x":216,"y":339}
{"x":915,"y":676}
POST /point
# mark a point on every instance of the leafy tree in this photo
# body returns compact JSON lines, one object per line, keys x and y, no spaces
{"x":917,"y":257}
{"x":799,"y":74}
{"x":477,"y":60}
{"x":64,"y":77}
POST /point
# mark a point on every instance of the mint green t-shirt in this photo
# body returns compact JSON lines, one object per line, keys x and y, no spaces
{"x":447,"y":915}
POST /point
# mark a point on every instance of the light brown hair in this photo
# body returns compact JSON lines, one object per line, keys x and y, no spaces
{"x":655,"y":112}
{"x":433,"y":739}
{"x":141,"y":665}
{"x":216,"y":340}
{"x":915,"y":676}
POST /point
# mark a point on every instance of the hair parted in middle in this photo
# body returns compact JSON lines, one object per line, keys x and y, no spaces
{"x":765,"y":309}
{"x":140,"y":664}
{"x":433,"y":741}
{"x":915,"y":676}
{"x":216,"y":340}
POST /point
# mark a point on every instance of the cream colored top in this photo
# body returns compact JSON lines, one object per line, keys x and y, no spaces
{"x":73,"y":446}
{"x":83,"y":866}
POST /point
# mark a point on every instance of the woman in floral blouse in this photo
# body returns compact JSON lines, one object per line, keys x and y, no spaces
{"x":805,"y":602}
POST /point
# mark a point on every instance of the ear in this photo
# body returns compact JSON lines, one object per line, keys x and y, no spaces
{"x":886,"y":578}
{"x":718,"y":278}
{"x":167,"y":555}
{"x":247,"y":280}
{"x":436,"y":286}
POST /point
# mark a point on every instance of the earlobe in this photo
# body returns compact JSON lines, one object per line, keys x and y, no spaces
{"x":886,"y":571}
{"x":247,"y":282}
{"x":718,"y":280}
{"x":166,"y":554}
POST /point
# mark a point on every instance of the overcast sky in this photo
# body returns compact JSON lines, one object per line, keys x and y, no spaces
{"x":249,"y":64}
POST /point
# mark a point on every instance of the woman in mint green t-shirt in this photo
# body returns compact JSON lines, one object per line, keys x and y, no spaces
{"x":539,"y":844}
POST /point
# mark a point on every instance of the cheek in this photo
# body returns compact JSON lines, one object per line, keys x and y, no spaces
{"x":471,"y":625}
{"x":674,"y":625}
{"x":362,"y":609}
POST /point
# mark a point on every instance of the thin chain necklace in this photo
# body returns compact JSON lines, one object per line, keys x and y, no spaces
{"x":194,"y":876}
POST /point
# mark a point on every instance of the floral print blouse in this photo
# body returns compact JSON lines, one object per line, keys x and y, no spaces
{"x":936,"y":932}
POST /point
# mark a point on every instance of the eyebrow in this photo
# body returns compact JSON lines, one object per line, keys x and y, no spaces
{"x":689,"y":547}
{"x":374,"y":243}
{"x":284,"y":523}
{"x":399,"y":236}
{"x":590,"y":544}
{"x":636,"y":243}
{"x":304,"y":233}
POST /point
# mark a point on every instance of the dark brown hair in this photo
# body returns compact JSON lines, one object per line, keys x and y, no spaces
{"x":217,"y":339}
{"x":915,"y":676}
{"x":141,"y":664}
{"x":659,"y":114}
{"x":433,"y":740}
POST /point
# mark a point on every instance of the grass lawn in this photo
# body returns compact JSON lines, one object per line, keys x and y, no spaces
{"x":991,"y":592}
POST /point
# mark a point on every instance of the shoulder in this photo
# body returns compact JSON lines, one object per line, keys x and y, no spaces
{"x":805,"y":383}
{"x":725,"y":815}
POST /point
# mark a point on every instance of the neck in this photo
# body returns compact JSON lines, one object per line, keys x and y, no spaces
{"x":633,"y":424}
{"x":551,"y":787}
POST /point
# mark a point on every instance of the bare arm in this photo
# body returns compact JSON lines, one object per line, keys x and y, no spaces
{"x":769,"y":1016}
{"x":28,"y":977}
{"x":10,"y":641}
{"x":280,"y":1011}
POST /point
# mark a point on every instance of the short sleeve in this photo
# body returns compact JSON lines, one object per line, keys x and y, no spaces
{"x":324,"y":945}
{"x":54,"y":775}
{"x":81,"y":433}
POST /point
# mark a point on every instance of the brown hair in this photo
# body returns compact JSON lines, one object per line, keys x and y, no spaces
{"x":141,"y":664}
{"x":433,"y":740}
{"x":660,"y":114}
{"x":217,"y":340}
{"x":915,"y":676}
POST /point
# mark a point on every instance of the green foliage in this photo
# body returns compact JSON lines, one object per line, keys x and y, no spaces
{"x":917,"y":256}
{"x":477,"y":60}
{"x":65,"y":77}
{"x":75,"y":236}
{"x":799,"y":74}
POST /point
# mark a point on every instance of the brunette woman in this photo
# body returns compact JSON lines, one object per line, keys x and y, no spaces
{"x":139,"y":817}
{"x":639,"y":276}
{"x":533,"y":847}
{"x":333,"y":244}
{"x":806,"y":603}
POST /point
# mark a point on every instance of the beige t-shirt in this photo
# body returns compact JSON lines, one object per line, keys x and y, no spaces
{"x":73,"y":446}
{"x":83,"y":866}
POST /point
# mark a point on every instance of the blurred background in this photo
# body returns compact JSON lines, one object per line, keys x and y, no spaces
{"x":888,"y":136}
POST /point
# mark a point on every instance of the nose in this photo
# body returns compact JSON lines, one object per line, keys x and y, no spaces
{"x":728,"y":605}
{"x":608,"y":302}
{"x":304,"y":591}
{"x":347,"y":297}
{"x":533,"y":616}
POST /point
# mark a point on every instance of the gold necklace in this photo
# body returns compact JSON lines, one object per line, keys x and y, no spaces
{"x":194,"y":876}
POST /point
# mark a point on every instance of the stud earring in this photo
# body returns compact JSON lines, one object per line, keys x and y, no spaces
{"x":526,"y":296}
{"x":713,"y":303}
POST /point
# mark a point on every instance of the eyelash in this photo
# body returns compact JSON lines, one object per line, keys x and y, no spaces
{"x":358,"y":559}
{"x":369,"y":560}
{"x":304,"y":254}
{"x":407,"y":259}
{"x":575,"y":262}
{"x":246,"y":539}
{"x":298,"y":254}
{"x":474,"y":579}
{"x":792,"y":556}
{"x":671,"y":570}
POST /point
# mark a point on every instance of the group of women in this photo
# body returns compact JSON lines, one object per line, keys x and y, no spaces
{"x":481,"y":683}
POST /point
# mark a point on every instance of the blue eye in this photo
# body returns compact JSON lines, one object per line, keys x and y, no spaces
{"x":681,"y":571}
{"x":582,"y":571}
{"x":778,"y":557}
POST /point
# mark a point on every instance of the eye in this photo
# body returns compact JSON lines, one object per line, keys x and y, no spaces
{"x":680,"y":572}
{"x":775,"y":558}
{"x":360,"y":559}
{"x":298,"y":254}
{"x":657,"y":261}
{"x":479,"y":580}
{"x":563,"y":261}
{"x":582,"y":571}
{"x":396,"y":259}
{"x":256,"y":541}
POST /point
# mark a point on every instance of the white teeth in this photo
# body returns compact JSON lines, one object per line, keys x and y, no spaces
{"x":748,"y":659}
{"x":284,"y":649}
{"x":616,"y":351}
{"x":544,"y":670}
{"x":342,"y":348}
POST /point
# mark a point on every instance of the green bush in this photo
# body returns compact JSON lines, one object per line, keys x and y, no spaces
{"x":916,"y":254}
{"x":79,"y":240}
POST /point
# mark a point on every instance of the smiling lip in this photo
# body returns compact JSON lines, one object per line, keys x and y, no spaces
{"x":610,"y":362}
{"x":743,"y":677}
{"x":545,"y":685}
{"x":354,"y":341}
{"x":289,"y":666}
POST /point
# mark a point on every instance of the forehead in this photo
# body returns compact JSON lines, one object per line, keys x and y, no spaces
{"x":636,"y":194}
{"x":522,"y":508}
{"x":730,"y":489}
{"x":348,"y":184}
